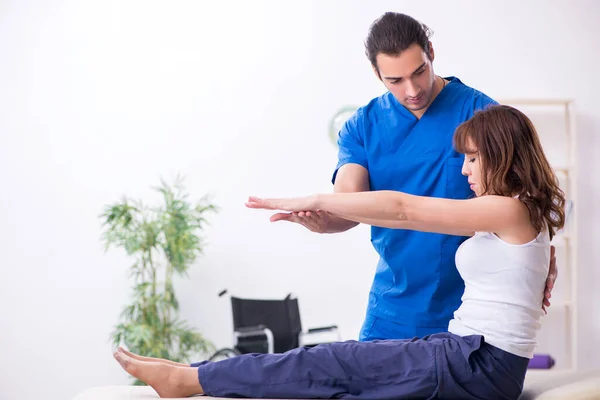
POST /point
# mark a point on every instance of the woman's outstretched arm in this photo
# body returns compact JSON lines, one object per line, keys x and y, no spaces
{"x":400,"y":210}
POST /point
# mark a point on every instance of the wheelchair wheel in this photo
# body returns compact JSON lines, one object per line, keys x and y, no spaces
{"x":224,"y":353}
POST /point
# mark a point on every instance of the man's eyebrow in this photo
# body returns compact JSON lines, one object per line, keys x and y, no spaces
{"x":391,"y":78}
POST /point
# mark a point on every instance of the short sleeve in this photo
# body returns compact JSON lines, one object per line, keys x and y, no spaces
{"x":351,"y":146}
{"x":482,"y":102}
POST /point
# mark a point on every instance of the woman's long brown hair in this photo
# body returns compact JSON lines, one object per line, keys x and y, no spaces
{"x":513,"y":163}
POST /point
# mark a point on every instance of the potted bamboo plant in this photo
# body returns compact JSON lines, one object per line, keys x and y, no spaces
{"x":163,"y":241}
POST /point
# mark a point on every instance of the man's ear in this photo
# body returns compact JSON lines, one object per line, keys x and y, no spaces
{"x":431,"y":52}
{"x":376,"y":71}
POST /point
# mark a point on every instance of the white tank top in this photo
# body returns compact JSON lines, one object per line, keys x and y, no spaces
{"x":504,"y":290}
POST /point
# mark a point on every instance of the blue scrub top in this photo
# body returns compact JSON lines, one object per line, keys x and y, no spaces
{"x":416,"y":283}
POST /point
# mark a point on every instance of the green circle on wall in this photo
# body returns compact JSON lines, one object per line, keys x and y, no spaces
{"x":337,"y":121}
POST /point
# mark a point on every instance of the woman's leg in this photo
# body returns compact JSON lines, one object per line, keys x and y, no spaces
{"x":151,"y":359}
{"x":443,"y":365}
{"x":373,"y":370}
{"x":168,"y":380}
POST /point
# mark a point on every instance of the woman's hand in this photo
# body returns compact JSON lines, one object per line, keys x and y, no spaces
{"x":293,"y":204}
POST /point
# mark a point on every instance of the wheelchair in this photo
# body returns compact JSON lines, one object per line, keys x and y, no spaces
{"x":270,"y":326}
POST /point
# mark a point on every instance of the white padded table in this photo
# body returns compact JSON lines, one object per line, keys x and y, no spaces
{"x":128,"y":393}
{"x":539,"y":385}
{"x":555,"y":385}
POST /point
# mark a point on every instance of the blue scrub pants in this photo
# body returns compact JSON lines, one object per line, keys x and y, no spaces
{"x":442,"y":365}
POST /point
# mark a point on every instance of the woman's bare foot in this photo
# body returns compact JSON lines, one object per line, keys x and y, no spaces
{"x":168,"y":380}
{"x":152,"y":359}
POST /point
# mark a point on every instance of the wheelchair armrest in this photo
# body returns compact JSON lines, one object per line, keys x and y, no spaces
{"x":323,"y":328}
{"x":258,"y":330}
{"x":251,"y":329}
{"x":319,"y":335}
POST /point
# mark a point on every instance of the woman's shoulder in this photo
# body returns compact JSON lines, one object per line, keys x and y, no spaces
{"x":521,"y":230}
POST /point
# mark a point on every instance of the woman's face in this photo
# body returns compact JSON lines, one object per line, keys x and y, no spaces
{"x":472,"y":168}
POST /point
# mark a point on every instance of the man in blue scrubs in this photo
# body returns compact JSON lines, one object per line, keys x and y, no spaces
{"x":402,"y":141}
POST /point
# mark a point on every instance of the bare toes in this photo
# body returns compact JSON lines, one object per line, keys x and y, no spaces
{"x":127,"y":353}
{"x":124,"y":360}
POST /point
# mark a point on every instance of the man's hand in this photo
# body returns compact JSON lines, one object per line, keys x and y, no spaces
{"x":552,"y":274}
{"x":314,"y":221}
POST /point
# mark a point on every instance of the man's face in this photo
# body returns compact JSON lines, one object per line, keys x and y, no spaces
{"x":408,"y":76}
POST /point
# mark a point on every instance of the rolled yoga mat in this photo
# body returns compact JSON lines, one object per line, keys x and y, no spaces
{"x":541,"y":361}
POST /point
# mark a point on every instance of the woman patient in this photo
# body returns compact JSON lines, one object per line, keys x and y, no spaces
{"x":516,"y":210}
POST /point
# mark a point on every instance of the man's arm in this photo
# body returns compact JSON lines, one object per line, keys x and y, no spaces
{"x":350,"y":178}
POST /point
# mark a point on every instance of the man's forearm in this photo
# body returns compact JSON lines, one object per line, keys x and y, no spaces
{"x":338,"y":224}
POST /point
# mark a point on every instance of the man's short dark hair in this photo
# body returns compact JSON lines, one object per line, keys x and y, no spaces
{"x":392,"y":33}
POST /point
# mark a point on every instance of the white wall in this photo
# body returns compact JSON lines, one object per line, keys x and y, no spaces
{"x":100,"y":98}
